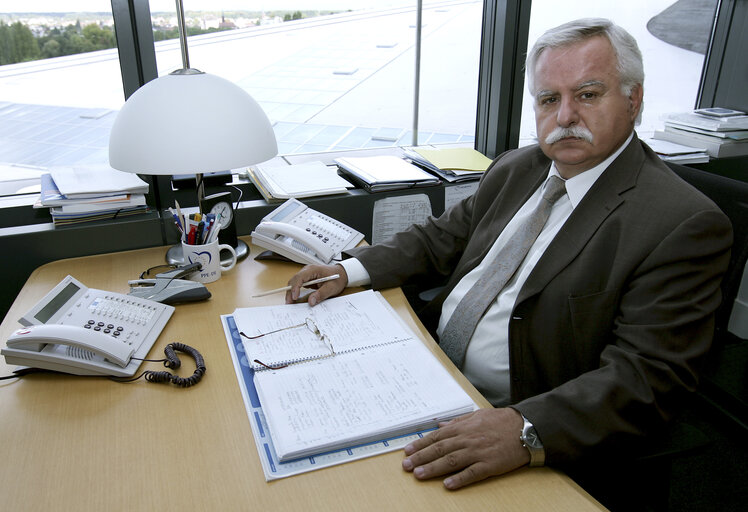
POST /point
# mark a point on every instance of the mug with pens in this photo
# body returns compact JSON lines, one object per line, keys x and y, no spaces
{"x":200,"y":244}
{"x":201,"y":229}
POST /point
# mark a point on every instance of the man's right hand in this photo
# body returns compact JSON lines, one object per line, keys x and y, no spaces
{"x":323,"y":290}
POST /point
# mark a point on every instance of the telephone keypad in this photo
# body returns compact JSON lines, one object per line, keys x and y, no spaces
{"x":325,"y":229}
{"x":117,"y":331}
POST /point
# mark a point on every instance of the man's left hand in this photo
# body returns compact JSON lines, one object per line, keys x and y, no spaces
{"x":473,"y":447}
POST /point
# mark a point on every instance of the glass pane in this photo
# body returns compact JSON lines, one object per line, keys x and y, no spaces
{"x":672,"y":37}
{"x":340,"y":78}
{"x":450,"y":62}
{"x":60,"y":85}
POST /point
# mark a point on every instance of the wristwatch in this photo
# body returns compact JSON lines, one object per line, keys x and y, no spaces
{"x":530,"y":440}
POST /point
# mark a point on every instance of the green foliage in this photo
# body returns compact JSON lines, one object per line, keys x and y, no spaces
{"x":100,"y":37}
{"x":18,"y":43}
{"x":297,"y":15}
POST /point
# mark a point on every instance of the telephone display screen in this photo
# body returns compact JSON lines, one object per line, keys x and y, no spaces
{"x":283,"y":211}
{"x":54,"y":305}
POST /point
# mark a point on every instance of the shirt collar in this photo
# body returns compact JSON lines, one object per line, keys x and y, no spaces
{"x":578,"y":186}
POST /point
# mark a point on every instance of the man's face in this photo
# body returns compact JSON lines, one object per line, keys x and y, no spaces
{"x":581,"y":114}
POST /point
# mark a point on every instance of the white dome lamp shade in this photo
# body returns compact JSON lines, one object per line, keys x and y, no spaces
{"x":190,"y":122}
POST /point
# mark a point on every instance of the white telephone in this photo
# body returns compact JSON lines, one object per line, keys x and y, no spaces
{"x":84,"y":331}
{"x":304,"y":235}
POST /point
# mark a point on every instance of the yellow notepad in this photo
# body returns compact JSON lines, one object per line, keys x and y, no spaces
{"x":456,"y":159}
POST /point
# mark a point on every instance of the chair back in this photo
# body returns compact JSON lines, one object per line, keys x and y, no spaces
{"x":731,"y":196}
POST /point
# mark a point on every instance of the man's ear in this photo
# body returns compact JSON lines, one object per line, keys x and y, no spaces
{"x":635,"y":100}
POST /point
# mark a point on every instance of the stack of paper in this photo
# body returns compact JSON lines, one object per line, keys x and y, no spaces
{"x":672,"y":152}
{"x":80,"y":194}
{"x":452,"y":164}
{"x":311,"y":179}
{"x":720,"y":132}
{"x":380,"y":173}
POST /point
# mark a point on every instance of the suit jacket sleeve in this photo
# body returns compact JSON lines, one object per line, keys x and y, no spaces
{"x":428,"y":249}
{"x":451,"y":245}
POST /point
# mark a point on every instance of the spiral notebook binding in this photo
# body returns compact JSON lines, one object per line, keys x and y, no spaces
{"x":279,"y":365}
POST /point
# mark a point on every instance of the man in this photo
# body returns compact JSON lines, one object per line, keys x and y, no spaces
{"x":599,"y":332}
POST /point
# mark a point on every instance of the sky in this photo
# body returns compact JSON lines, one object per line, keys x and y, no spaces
{"x":195,"y":5}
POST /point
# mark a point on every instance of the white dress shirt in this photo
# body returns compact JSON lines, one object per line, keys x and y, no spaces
{"x":487,"y":358}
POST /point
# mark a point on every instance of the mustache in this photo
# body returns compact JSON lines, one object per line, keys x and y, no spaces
{"x":575,"y":131}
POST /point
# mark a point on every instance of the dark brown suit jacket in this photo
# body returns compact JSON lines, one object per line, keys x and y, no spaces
{"x":609,"y":329}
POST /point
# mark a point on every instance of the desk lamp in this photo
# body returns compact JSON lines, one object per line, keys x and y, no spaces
{"x":190,"y":122}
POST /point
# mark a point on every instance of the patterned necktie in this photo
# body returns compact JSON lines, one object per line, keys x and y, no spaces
{"x":461,"y":325}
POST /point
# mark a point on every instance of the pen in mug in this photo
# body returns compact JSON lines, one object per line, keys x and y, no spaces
{"x":199,"y":232}
{"x":177,"y":221}
{"x":214,"y":232}
{"x":179,"y":214}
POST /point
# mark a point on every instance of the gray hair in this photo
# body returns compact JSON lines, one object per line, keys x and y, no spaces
{"x":630,"y":65}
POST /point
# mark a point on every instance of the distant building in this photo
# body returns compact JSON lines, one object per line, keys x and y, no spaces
{"x":226,"y":24}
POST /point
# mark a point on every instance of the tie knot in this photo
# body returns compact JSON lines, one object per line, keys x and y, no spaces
{"x":554,"y":189}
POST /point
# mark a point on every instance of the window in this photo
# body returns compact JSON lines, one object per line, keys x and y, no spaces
{"x":335,"y":79}
{"x":339,"y":79}
{"x":61,"y":85}
{"x":672,"y":36}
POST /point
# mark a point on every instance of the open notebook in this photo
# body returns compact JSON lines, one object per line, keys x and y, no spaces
{"x":344,"y":373}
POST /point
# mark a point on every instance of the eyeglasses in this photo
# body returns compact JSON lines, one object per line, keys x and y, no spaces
{"x":309,"y":324}
{"x":158,"y":269}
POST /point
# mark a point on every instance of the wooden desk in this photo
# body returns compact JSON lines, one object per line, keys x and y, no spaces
{"x":87,"y":443}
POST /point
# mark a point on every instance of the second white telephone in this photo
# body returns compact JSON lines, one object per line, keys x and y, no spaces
{"x":304,"y":235}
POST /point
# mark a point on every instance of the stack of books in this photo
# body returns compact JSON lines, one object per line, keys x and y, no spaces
{"x":450,"y":164}
{"x":83,"y":194}
{"x":720,"y":132}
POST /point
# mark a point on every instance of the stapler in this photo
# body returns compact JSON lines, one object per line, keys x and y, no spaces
{"x":168,"y":288}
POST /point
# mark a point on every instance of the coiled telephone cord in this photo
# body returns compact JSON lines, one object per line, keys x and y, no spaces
{"x":172,"y":361}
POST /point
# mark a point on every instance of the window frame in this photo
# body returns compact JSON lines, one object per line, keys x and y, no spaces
{"x":724,"y":76}
{"x":506,"y":24}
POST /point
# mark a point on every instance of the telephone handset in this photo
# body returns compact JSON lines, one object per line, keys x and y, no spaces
{"x":304,"y":235}
{"x":313,"y":247}
{"x":35,"y":338}
{"x":84,"y":331}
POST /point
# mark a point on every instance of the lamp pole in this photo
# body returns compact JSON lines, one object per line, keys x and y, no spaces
{"x":182,"y":35}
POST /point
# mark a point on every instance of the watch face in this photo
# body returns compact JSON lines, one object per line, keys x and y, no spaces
{"x":530,"y":438}
{"x":225,"y":211}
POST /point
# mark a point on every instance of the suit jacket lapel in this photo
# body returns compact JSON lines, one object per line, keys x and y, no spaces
{"x":599,"y":202}
{"x":514,"y":194}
